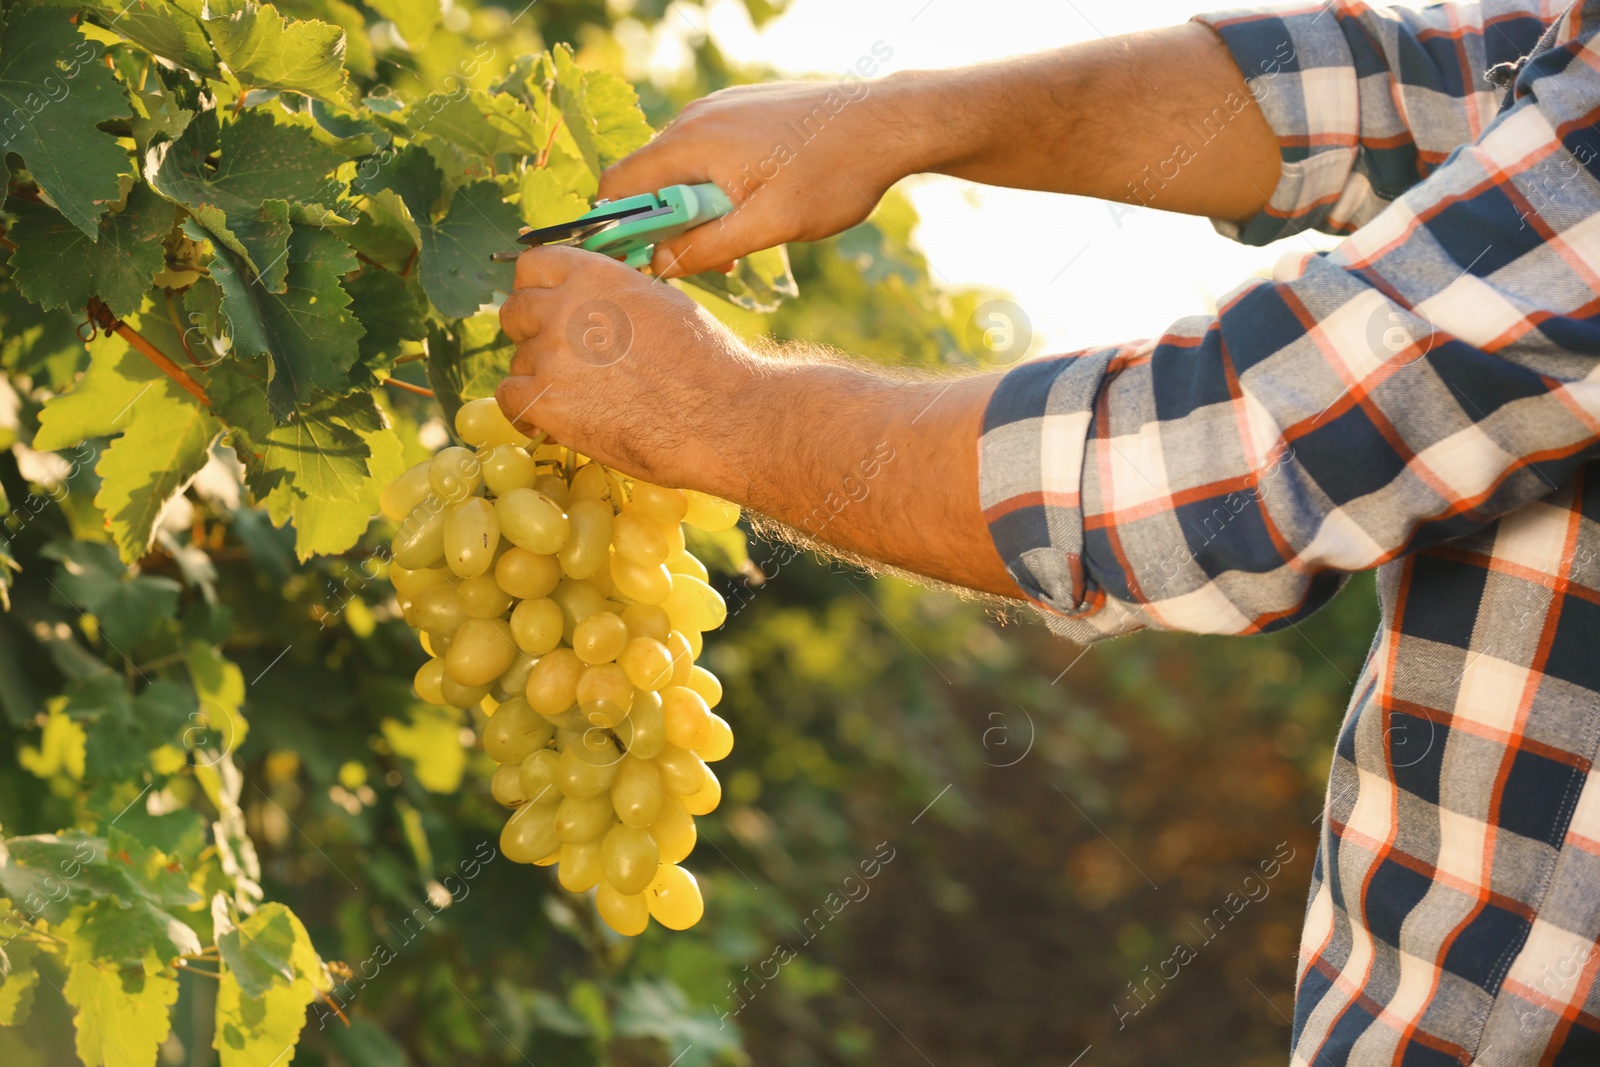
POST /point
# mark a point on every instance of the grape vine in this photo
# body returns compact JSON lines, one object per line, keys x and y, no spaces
{"x":229,"y":240}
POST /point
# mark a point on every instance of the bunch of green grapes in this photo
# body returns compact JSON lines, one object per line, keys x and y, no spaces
{"x":560,"y":598}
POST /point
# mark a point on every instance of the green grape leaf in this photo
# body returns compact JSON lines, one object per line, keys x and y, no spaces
{"x":759,"y":282}
{"x":270,"y":973}
{"x":130,"y":934}
{"x":392,"y":310}
{"x":477,"y":122}
{"x":102,"y":401}
{"x":410,"y":174}
{"x":415,"y":19}
{"x":157,"y":26}
{"x":91,"y":579}
{"x":259,"y":236}
{"x":55,"y":90}
{"x":268,"y":949}
{"x":384,"y":232}
{"x":358,"y":58}
{"x":122,"y":1015}
{"x":58,"y":266}
{"x":21,"y":977}
{"x":546,"y":199}
{"x":600,"y":109}
{"x":454,"y":266}
{"x":308,"y":331}
{"x":219,"y":683}
{"x":266,"y":51}
{"x":165,"y":446}
{"x":243,"y":201}
{"x":651,"y":1008}
{"x":317,"y":469}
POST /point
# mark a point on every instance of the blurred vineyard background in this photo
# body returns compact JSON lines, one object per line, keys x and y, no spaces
{"x":1042,"y":823}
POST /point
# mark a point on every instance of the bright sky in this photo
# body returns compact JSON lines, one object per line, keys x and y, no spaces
{"x":1081,"y":278}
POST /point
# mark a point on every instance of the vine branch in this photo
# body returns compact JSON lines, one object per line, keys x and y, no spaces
{"x":102,"y":317}
{"x":408,"y":387}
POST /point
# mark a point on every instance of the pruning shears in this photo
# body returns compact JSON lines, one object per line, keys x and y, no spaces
{"x":630,"y":228}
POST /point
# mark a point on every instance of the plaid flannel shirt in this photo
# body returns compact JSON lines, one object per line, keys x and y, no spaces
{"x":1423,"y":400}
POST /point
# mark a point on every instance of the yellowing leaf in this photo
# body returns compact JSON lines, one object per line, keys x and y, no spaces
{"x":122,"y":1015}
{"x":431,"y":741}
{"x":61,"y":749}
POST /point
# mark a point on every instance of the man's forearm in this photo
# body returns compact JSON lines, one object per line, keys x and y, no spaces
{"x":876,"y":466}
{"x":1162,"y":118}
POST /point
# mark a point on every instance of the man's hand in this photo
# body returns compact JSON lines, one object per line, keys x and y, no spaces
{"x":634,"y":373}
{"x":620,"y":367}
{"x":800,"y":161}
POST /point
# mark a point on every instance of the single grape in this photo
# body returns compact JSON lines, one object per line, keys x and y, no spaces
{"x":674,"y":898}
{"x":706,"y":684}
{"x":506,"y":786}
{"x":688,"y":720}
{"x":526,"y":575}
{"x":599,"y":638}
{"x":647,"y":584}
{"x":480,"y":653}
{"x":694,"y":605}
{"x":709,"y":513}
{"x":428,"y":679}
{"x":578,"y":599}
{"x":397,"y":499}
{"x":419,"y":542}
{"x":514,"y":681}
{"x":441,"y":609}
{"x":530,"y":834}
{"x":581,"y":866}
{"x":485,"y":599}
{"x":583,"y":774}
{"x":647,"y":620}
{"x":666,"y":506}
{"x":638,"y":539}
{"x":583,"y":818}
{"x":721,"y":742}
{"x":686,"y":563}
{"x":462,"y":696}
{"x":531,"y":520}
{"x":705,"y":800}
{"x":636,"y":793}
{"x":604,"y":694}
{"x":514,"y":730}
{"x":536,"y":626}
{"x":648,"y":728}
{"x":588,"y":548}
{"x":555,"y":487}
{"x":471,"y":535}
{"x":674,"y":831}
{"x":627,"y":914}
{"x":592,"y":481}
{"x":676,"y":547}
{"x":537,"y":773}
{"x":631,"y":858}
{"x":481,"y":422}
{"x":647,"y":663}
{"x":455,"y":474}
{"x":683,"y":657}
{"x":506,"y":467}
{"x":682,"y":772}
{"x":411,"y":582}
{"x":553,"y":684}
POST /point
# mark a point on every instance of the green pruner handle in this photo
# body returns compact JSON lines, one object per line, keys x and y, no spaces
{"x":679,"y":208}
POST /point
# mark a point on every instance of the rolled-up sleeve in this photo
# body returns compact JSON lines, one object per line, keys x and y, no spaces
{"x":1437,"y":370}
{"x":1367,"y":101}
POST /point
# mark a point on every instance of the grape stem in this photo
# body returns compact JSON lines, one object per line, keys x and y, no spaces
{"x":101,"y":316}
{"x":408,"y":387}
